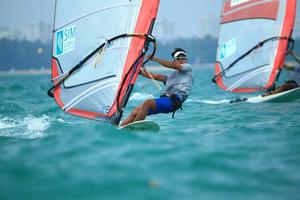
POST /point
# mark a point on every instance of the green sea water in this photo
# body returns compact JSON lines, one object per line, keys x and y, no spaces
{"x":211,"y":150}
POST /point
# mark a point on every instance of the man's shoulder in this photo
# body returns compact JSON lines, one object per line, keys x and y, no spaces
{"x":187,"y":64}
{"x":297,"y":69}
{"x":187,"y":67}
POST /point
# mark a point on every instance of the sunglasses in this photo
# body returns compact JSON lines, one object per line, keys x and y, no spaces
{"x":180,"y":59}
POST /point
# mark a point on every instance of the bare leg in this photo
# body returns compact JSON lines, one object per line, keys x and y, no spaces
{"x":143,"y":112}
{"x":132,"y":116}
{"x":285,"y":87}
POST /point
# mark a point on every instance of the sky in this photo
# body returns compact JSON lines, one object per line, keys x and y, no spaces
{"x":184,"y":15}
{"x":189,"y":17}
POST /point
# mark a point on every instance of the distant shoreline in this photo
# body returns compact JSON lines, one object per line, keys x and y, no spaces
{"x":48,"y":71}
{"x":26,"y":72}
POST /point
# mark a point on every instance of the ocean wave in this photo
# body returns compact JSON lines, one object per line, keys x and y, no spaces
{"x":7,"y":123}
{"x":141,"y":96}
{"x":29,"y":127}
{"x":37,"y":124}
{"x":212,"y":102}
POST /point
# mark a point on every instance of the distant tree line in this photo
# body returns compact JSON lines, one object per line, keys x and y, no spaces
{"x":22,"y":55}
{"x":198,"y":50}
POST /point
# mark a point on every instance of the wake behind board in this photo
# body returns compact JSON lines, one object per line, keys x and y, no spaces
{"x":145,"y":125}
{"x":286,"y":96}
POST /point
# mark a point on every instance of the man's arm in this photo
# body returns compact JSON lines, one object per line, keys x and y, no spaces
{"x":289,"y":67}
{"x":167,"y":64}
{"x":157,"y":77}
{"x":292,"y":67}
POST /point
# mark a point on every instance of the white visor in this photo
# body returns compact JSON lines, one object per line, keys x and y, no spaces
{"x":178,"y":53}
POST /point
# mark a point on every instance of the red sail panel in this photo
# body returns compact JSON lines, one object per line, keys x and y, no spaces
{"x":250,"y":10}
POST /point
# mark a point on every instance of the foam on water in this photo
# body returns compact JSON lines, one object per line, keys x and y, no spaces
{"x":212,"y":102}
{"x":29,"y":127}
{"x":7,"y":123}
{"x":141,"y":96}
{"x":61,"y":120}
{"x":37,"y":124}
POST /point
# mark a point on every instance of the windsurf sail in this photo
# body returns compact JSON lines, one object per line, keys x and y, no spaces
{"x":253,"y":41}
{"x":98,"y":49}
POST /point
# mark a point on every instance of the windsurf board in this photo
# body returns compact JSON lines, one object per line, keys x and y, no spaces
{"x":286,"y":96}
{"x":144,"y":125}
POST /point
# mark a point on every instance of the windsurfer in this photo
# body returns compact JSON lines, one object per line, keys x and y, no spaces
{"x":294,"y":76}
{"x":178,"y":87}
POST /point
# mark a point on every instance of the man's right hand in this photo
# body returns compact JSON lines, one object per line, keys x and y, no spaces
{"x":142,"y":71}
{"x":149,"y":58}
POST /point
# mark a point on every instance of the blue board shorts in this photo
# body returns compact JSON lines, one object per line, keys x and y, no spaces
{"x":166,"y":104}
{"x":163,"y":105}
